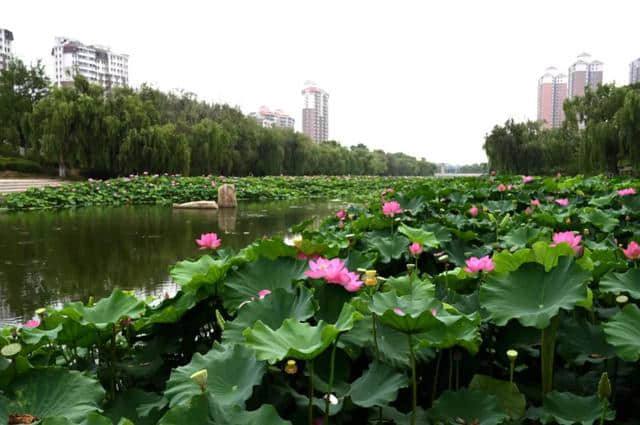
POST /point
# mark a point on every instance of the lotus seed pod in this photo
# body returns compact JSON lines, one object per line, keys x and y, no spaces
{"x":370,"y":273}
{"x":443,"y":258}
{"x":622,"y":299}
{"x":11,"y":350}
{"x":604,"y":386}
{"x":291,"y":367}
{"x":512,"y":355}
{"x":586,"y":232}
{"x":200,"y":377}
{"x":410,"y":267}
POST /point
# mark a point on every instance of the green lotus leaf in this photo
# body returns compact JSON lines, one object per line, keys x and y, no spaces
{"x":360,"y":260}
{"x":191,"y":275}
{"x":502,"y":207}
{"x":623,"y":332}
{"x":599,"y":219}
{"x":33,"y":336}
{"x":268,"y":248}
{"x":139,"y":406}
{"x":409,"y":313}
{"x":533,"y":296}
{"x":472,"y":406}
{"x":616,"y":283}
{"x":602,"y":201}
{"x":394,"y":348}
{"x":11,"y":350}
{"x":453,"y":329}
{"x":297,"y":340}
{"x":521,"y":237}
{"x":274,"y":309}
{"x":232,"y":372}
{"x":569,"y":409}
{"x":390,"y":247}
{"x":548,"y":255}
{"x":194,"y":410}
{"x":506,"y":261}
{"x":378,"y":386}
{"x":245,"y":283}
{"x":53,"y":392}
{"x":421,"y":236}
{"x":580,"y":341}
{"x":171,"y":310}
{"x":509,"y":397}
{"x":109,"y":311}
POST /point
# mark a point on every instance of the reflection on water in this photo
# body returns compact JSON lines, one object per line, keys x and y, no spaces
{"x":53,"y":257}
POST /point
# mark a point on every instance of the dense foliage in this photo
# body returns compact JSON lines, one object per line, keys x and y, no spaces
{"x":485,"y":302}
{"x":166,"y":189}
{"x":601,"y":135}
{"x":124,"y":131}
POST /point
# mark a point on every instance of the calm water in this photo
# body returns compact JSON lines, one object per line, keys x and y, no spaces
{"x":53,"y":257}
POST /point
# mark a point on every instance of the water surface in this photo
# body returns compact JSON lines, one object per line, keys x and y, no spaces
{"x":53,"y":257}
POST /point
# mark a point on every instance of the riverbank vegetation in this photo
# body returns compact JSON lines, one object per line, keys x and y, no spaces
{"x":601,"y":134}
{"x":83,"y":128}
{"x":464,"y":301}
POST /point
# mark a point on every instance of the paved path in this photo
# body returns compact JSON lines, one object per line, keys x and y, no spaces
{"x":20,"y":185}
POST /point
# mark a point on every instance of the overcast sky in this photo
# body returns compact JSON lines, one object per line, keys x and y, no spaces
{"x":426,"y":78}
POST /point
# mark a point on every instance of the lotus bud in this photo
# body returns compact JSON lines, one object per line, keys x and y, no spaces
{"x":604,"y":387}
{"x":41,"y":311}
{"x":291,"y":367}
{"x":200,"y":378}
{"x":622,"y":299}
{"x":568,"y":221}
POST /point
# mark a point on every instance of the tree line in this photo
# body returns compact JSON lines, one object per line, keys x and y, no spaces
{"x":123,"y":131}
{"x":601,"y":135}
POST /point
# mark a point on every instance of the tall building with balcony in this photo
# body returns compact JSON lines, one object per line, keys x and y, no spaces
{"x":98,"y":64}
{"x":6,"y":39}
{"x":584,"y":73}
{"x":315,"y":113}
{"x":634,"y":72}
{"x":269,"y":119}
{"x":552,"y":91}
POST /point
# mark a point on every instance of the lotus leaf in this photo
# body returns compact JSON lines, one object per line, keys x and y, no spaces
{"x":378,"y":386}
{"x":533,"y":296}
{"x":569,"y":409}
{"x":623,"y":332}
{"x":628,"y":282}
{"x":470,"y":406}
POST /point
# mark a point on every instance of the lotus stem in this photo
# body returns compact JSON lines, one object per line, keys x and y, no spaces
{"x":450,"y":368}
{"x":331,"y":371}
{"x":310,"y":413}
{"x":414,"y":398}
{"x":548,"y":342}
{"x":604,"y":411}
{"x":435,"y":377}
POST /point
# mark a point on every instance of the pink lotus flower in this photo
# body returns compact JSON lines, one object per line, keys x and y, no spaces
{"x":626,"y":192}
{"x":398,"y":311}
{"x":528,"y":211}
{"x":415,"y":249}
{"x":573,"y":239}
{"x":341,"y":214}
{"x":502,"y":188}
{"x":527,"y":179}
{"x":509,"y":186}
{"x":390,"y":209}
{"x":563,"y":202}
{"x":209,"y":241}
{"x":302,"y":256}
{"x":434,"y":312}
{"x":351,"y":281}
{"x":535,"y":202}
{"x":475,"y":264}
{"x":263,"y":293}
{"x":633,"y":251}
{"x":473,"y":211}
{"x":33,"y":323}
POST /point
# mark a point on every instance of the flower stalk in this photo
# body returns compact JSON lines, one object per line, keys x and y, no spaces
{"x":548,"y":343}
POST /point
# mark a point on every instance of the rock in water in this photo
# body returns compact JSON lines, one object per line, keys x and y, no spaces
{"x":198,"y":205}
{"x":227,"y":196}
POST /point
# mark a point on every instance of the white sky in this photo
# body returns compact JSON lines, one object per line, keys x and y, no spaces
{"x":426,"y":78}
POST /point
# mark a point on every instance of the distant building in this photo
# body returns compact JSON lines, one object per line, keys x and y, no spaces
{"x":584,"y":73}
{"x":269,"y":119}
{"x":634,"y":72}
{"x":315,"y":113}
{"x":6,"y":38}
{"x":552,"y":91}
{"x":97,"y":64}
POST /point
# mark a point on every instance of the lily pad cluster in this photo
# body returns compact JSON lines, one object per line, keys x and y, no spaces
{"x":478,"y":301}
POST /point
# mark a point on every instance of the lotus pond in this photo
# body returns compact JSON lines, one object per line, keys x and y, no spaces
{"x":467,"y":301}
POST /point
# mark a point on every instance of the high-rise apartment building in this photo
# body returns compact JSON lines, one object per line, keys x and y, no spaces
{"x":6,"y":38}
{"x":269,"y":119}
{"x":552,"y":91}
{"x":634,"y":72}
{"x":584,"y":73}
{"x":315,"y":113}
{"x":97,"y":64}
